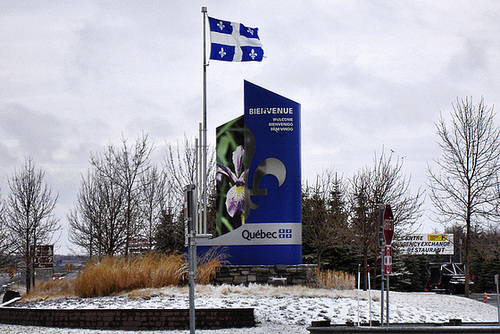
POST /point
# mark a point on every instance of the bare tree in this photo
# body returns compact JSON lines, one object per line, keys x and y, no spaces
{"x":180,"y":166}
{"x":97,"y":221}
{"x":29,"y":213}
{"x":85,"y":216}
{"x":324,"y":214}
{"x":384,"y":183}
{"x":6,"y":251}
{"x":121,"y":193}
{"x":155,"y":203}
{"x":464,"y":188}
{"x":125,"y":196}
{"x":124,"y":167}
{"x":181,"y":170}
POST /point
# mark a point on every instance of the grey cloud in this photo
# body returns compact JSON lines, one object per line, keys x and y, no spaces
{"x":472,"y":61}
{"x":35,"y":132}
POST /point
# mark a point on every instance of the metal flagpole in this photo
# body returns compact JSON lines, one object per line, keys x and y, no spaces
{"x":204,"y":140}
{"x":199,"y":177}
{"x":199,"y":172}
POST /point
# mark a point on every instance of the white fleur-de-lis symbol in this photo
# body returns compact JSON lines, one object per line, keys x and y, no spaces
{"x":222,"y":53}
{"x":250,"y":31}
{"x":221,"y":25}
{"x":253,"y":54}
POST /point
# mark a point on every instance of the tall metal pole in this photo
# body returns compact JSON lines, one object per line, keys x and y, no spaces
{"x":387,"y":303}
{"x":204,"y":140}
{"x":381,"y":208}
{"x":369,"y":297}
{"x":498,"y":299}
{"x":191,"y":215}
{"x":198,"y":176}
{"x":359,"y":286}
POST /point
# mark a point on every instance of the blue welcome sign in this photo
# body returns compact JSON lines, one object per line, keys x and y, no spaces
{"x":259,"y":182}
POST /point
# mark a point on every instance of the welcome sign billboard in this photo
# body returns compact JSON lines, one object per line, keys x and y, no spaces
{"x":259,"y":182}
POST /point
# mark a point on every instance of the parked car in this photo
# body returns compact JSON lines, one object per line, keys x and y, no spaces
{"x":447,"y":278}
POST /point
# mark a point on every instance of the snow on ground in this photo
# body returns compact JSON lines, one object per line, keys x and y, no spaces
{"x":277,"y":309}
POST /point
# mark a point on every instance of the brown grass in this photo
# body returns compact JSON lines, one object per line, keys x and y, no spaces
{"x":208,"y":266}
{"x":335,"y":280}
{"x":51,"y":289}
{"x":112,"y":275}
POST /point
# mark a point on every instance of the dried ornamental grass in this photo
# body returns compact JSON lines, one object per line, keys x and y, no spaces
{"x":51,"y":289}
{"x":208,"y":266}
{"x":335,"y":280}
{"x":112,"y":275}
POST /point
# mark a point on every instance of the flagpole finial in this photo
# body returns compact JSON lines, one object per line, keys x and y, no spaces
{"x":203,"y":9}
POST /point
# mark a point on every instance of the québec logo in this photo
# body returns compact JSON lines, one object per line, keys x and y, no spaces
{"x":261,"y":234}
{"x":285,"y":233}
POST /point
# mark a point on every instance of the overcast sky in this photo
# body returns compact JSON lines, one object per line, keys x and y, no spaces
{"x":76,"y":76}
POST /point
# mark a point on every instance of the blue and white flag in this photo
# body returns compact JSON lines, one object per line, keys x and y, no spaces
{"x":232,"y":41}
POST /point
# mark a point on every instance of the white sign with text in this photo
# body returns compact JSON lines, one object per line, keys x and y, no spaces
{"x":427,"y":244}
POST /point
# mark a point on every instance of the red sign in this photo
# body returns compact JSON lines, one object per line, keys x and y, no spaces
{"x":388,"y":225}
{"x":387,"y":260}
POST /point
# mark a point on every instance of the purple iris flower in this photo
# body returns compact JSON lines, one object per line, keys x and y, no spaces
{"x":235,"y":199}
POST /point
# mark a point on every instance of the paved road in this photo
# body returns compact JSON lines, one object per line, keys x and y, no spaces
{"x":4,"y":278}
{"x":491,"y":297}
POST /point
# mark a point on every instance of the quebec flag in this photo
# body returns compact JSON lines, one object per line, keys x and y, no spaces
{"x":234,"y":42}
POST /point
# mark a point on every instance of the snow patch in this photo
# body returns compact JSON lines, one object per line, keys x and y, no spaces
{"x":278,"y":309}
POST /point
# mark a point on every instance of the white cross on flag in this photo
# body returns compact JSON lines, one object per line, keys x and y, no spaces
{"x":230,"y":41}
